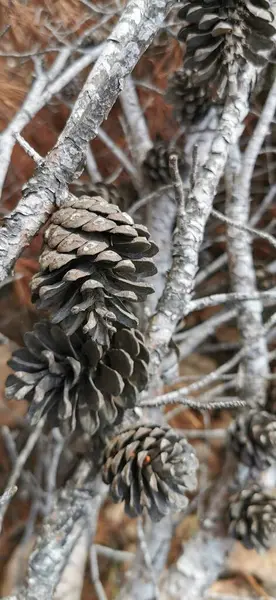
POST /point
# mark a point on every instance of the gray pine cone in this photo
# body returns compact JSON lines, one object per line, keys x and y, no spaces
{"x":72,"y":379}
{"x":92,"y":267}
{"x":156,"y":164}
{"x":191,"y":102}
{"x":223,"y":35}
{"x":252,"y":437}
{"x":252,"y":515}
{"x":151,"y":468}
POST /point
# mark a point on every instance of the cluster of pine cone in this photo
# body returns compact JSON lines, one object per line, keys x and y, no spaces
{"x":86,"y":364}
{"x":252,"y":510}
{"x":221,"y":37}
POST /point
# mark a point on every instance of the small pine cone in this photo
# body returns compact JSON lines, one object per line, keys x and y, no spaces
{"x":191,"y":102}
{"x":252,"y":437}
{"x":150,"y":467}
{"x":92,"y":267}
{"x":252,"y":516}
{"x":72,"y":89}
{"x":156,"y":164}
{"x":222,"y":36}
{"x":74,"y":381}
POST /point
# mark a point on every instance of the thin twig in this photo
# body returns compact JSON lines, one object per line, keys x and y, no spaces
{"x":5,"y":500}
{"x":255,"y":232}
{"x":28,"y":149}
{"x":95,"y":575}
{"x":21,"y":459}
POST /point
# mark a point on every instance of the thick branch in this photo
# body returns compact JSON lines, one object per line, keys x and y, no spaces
{"x":130,"y":38}
{"x":241,"y":264}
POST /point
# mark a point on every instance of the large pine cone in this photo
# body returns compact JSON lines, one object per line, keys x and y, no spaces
{"x":151,"y":468}
{"x":191,"y":102}
{"x":92,"y":267}
{"x":222,"y":35}
{"x":156,"y":164}
{"x":252,"y":514}
{"x":74,"y":380}
{"x":252,"y":437}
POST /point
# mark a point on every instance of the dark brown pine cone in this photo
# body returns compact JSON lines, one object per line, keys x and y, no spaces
{"x":151,"y":468}
{"x":252,"y":437}
{"x":72,"y":379}
{"x":191,"y":102}
{"x":156,"y":164}
{"x":252,"y":515}
{"x":223,"y":35}
{"x":92,"y":267}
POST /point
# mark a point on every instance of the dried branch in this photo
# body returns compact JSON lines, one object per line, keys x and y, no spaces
{"x":139,"y":134}
{"x":73,"y":510}
{"x":28,"y":149}
{"x":20,"y":462}
{"x":191,"y":225}
{"x":5,"y":500}
{"x":44,"y":88}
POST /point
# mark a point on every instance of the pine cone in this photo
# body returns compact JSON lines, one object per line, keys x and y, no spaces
{"x":92,"y":268}
{"x":156,"y":164}
{"x":252,"y":437}
{"x":252,"y":515}
{"x":191,"y":102}
{"x":73,"y":380}
{"x":150,"y":467}
{"x":222,"y":36}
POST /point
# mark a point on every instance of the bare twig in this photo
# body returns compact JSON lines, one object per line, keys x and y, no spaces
{"x":218,"y":403}
{"x":255,"y":232}
{"x":231,"y":298}
{"x":116,"y":555}
{"x":4,"y":500}
{"x":44,"y":88}
{"x":140,"y":138}
{"x":28,"y":149}
{"x":120,"y":155}
{"x":21,"y":459}
{"x":95,"y":575}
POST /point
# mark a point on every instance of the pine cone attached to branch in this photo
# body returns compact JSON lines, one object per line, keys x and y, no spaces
{"x":151,"y":468}
{"x":191,"y":102}
{"x":223,"y":35}
{"x":72,"y":379}
{"x":156,"y":164}
{"x":252,"y":437}
{"x":252,"y":515}
{"x":92,"y":267}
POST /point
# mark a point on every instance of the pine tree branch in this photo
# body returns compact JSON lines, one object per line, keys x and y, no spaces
{"x":204,"y":556}
{"x":188,"y":237}
{"x":138,"y":24}
{"x":139,"y":134}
